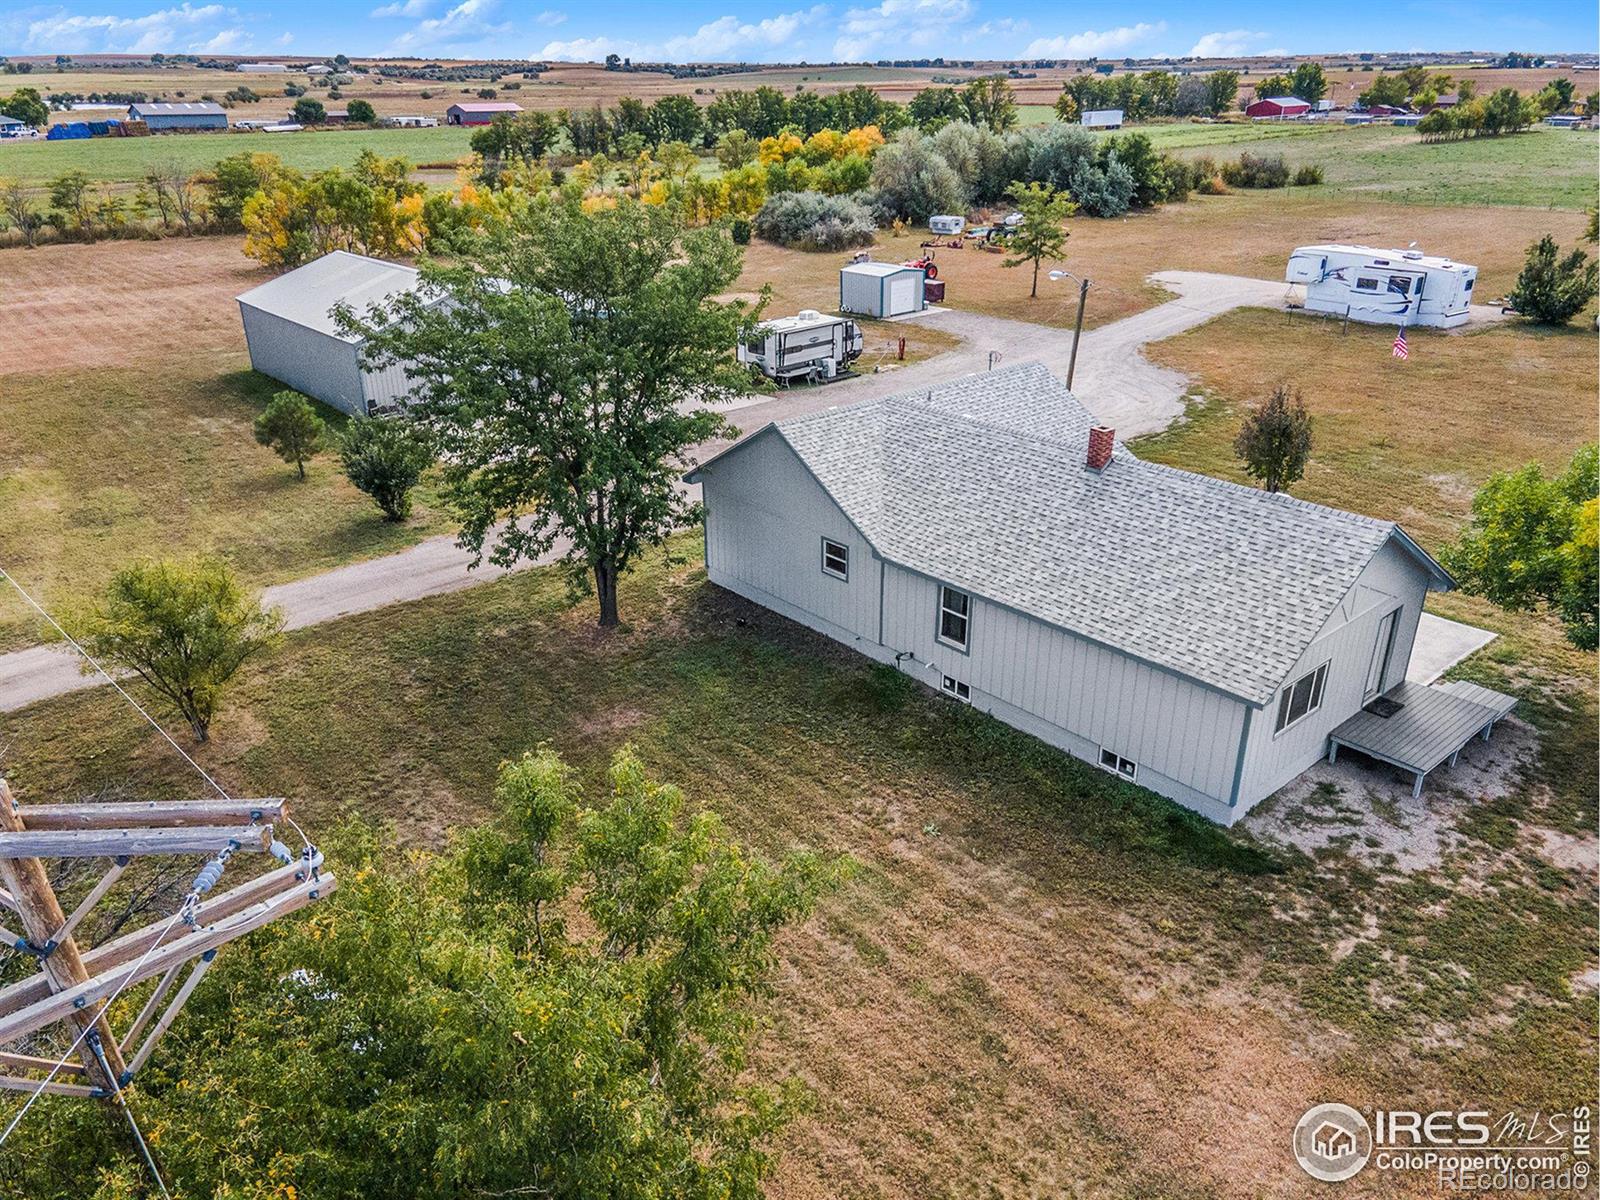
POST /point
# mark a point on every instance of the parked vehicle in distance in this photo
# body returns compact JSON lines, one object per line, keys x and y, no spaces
{"x":808,"y":346}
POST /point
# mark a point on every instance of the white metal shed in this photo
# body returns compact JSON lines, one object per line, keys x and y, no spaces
{"x":880,"y":289}
{"x":292,"y":336}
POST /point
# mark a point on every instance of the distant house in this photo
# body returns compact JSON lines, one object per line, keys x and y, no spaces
{"x":292,"y":335}
{"x":478,"y":114}
{"x":1278,"y":107}
{"x":197,"y":114}
{"x":1101,"y":118}
{"x":987,"y":538}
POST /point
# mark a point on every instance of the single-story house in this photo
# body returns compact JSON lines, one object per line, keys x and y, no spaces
{"x":292,"y":335}
{"x":478,"y":114}
{"x":1278,"y":107}
{"x":195,"y":114}
{"x":986,"y":537}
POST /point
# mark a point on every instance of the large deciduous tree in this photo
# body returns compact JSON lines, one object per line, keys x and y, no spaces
{"x":1532,"y":541}
{"x":563,"y":367}
{"x":1275,"y":440}
{"x":185,"y":628}
{"x":563,"y":1005}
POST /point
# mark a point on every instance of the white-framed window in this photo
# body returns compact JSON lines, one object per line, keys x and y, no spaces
{"x":1301,"y":698}
{"x":1111,"y":761}
{"x":951,"y":686}
{"x":835,"y":559}
{"x":955,"y":617}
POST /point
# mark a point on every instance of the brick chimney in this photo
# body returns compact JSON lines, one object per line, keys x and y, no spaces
{"x":1101,"y":441}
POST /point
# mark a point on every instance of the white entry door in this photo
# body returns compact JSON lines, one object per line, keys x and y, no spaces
{"x":1379,"y":666}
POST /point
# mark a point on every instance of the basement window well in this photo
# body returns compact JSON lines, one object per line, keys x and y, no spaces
{"x":1117,"y":765}
{"x":835,"y":559}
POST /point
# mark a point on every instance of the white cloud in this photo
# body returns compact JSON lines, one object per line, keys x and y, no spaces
{"x":184,"y":27}
{"x":404,"y":8}
{"x":902,"y":24}
{"x":465,"y":24}
{"x":1226,"y":45}
{"x":551,"y":16}
{"x":726,"y":38}
{"x":1092,"y":43}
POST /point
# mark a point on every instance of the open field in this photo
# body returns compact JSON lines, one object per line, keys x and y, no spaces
{"x":1410,"y":441}
{"x":132,"y":439}
{"x":1041,"y":979}
{"x":1244,"y":233}
{"x":126,"y":160}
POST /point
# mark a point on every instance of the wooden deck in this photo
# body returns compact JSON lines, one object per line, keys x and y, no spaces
{"x":1430,"y":728}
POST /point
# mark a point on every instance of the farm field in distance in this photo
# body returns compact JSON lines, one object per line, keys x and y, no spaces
{"x":1040,"y":980}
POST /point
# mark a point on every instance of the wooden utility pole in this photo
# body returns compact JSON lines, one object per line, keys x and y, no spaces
{"x":43,"y":923}
{"x":74,"y":987}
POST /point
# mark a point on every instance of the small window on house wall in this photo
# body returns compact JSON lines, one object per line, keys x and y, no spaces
{"x":955,"y":612}
{"x":1111,"y":761}
{"x":1301,"y":698}
{"x":835,"y":559}
{"x":951,"y":686}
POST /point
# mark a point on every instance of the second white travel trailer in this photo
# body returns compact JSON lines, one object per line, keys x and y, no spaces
{"x":810,"y":345}
{"x":1384,"y":287}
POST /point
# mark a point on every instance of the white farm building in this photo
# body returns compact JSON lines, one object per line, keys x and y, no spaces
{"x":1204,"y":640}
{"x":293,"y":337}
{"x":1384,"y":287}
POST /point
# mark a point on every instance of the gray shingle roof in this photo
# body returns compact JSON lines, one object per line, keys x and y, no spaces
{"x":307,"y":295}
{"x":981,"y":483}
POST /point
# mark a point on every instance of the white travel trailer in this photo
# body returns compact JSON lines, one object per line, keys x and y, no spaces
{"x":1384,"y":287}
{"x":809,"y":345}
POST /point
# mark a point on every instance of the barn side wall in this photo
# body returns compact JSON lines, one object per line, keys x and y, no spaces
{"x":323,"y":367}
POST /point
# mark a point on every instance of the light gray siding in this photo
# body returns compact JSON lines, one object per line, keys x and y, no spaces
{"x":765,"y":521}
{"x":765,"y":518}
{"x":1075,"y":694}
{"x":1391,"y":580}
{"x":323,"y":367}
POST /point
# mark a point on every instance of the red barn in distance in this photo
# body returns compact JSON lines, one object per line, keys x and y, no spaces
{"x":1278,"y":106}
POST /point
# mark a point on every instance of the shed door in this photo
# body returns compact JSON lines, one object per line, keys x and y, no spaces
{"x":1381,"y":649}
{"x":902,"y":293}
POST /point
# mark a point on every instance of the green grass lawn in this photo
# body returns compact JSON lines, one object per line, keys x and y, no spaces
{"x":103,"y":467}
{"x":1545,"y":168}
{"x":1033,"y":953}
{"x":125,"y":160}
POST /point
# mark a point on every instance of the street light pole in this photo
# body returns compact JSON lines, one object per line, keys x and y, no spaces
{"x":1077,"y":328}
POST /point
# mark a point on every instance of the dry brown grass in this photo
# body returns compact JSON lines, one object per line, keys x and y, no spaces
{"x":1246,"y":233}
{"x":69,"y":307}
{"x":1407,"y":441}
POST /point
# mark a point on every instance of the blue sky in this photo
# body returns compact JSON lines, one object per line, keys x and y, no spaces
{"x":790,"y":30}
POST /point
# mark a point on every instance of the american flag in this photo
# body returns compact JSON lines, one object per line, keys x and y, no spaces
{"x":1400,"y":350}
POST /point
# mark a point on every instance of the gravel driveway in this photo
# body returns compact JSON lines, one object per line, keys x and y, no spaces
{"x":1113,"y":380}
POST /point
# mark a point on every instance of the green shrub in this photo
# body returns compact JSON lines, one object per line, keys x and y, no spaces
{"x":811,"y":221}
{"x":1257,"y":171}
